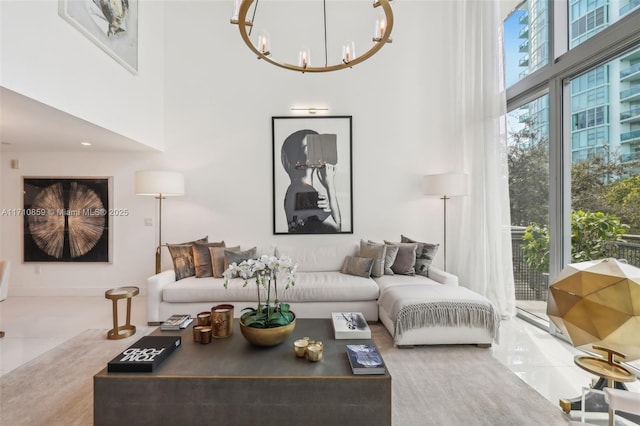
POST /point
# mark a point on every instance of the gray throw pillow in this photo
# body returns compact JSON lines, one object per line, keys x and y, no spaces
{"x":202,"y":258}
{"x":359,"y":266}
{"x":425,"y":253}
{"x":391,"y":252}
{"x":182,"y":257}
{"x":238,"y":256}
{"x":405,"y":259}
{"x":217,"y":259}
{"x":375,"y":251}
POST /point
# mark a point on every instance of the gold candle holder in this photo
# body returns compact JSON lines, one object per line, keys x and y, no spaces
{"x":196,"y":332}
{"x":204,"y":318}
{"x":222,"y":320}
{"x":205,"y":335}
{"x":314,"y":352}
{"x":300,"y":347}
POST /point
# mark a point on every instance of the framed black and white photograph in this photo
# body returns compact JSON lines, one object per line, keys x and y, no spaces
{"x":111,"y":24}
{"x":312,"y":175}
{"x":67,"y":219}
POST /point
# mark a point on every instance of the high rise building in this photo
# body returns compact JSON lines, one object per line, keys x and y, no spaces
{"x":605,"y":101}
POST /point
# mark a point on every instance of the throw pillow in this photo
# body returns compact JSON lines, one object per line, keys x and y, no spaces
{"x":182,"y":257}
{"x":238,"y":256}
{"x":202,"y":258}
{"x":425,"y":253}
{"x":391,"y":252}
{"x":375,"y":251}
{"x":359,"y":266}
{"x":217,"y":259}
{"x":405,"y":259}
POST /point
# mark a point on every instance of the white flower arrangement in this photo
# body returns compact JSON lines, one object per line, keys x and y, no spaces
{"x":266,"y":271}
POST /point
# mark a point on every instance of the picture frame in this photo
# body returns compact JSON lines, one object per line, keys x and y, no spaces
{"x":68,"y":219}
{"x":312,"y":175}
{"x":111,"y":25}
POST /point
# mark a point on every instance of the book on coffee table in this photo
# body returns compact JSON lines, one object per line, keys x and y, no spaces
{"x":365,"y":359}
{"x":350,"y":325}
{"x":145,"y":355}
{"x":176,"y":322}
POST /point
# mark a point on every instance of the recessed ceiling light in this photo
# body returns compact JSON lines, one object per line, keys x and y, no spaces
{"x":85,"y":143}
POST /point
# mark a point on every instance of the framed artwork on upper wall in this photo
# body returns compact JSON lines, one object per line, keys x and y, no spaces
{"x":67,"y":219}
{"x":111,"y":24}
{"x":312,"y":175}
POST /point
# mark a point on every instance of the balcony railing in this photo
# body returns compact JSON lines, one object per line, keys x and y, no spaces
{"x":629,"y":7}
{"x":634,"y":156}
{"x":633,"y":112}
{"x":524,"y":18}
{"x":524,"y":33}
{"x":533,"y":285}
{"x":630,"y":136}
{"x":631,"y":70}
{"x":524,"y":61}
{"x":524,"y":46}
{"x":629,"y":93}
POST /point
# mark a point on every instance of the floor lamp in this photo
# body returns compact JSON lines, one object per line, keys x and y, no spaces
{"x":446,"y":185}
{"x":159,"y":184}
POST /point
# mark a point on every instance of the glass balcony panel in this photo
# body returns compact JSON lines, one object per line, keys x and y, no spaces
{"x":629,"y":136}
{"x":629,"y":93}
{"x":629,"y":71}
{"x":633,"y":4}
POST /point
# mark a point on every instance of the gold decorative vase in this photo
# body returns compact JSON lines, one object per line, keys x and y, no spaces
{"x":267,"y":336}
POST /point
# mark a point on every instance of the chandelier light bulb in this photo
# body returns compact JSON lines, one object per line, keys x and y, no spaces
{"x":236,"y":10}
{"x":348,"y":51}
{"x":381,"y":27}
{"x":263,"y":43}
{"x":304,"y":57}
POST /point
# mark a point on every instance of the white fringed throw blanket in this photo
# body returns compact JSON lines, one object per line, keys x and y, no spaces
{"x":422,"y":306}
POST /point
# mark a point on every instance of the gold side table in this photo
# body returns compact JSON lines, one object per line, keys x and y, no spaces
{"x":115,"y":294}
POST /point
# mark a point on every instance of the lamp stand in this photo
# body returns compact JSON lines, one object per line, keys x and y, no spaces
{"x":159,"y":197}
{"x":444,"y":199}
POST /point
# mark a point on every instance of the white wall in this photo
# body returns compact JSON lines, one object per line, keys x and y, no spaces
{"x":45,"y":58}
{"x":218,"y":104}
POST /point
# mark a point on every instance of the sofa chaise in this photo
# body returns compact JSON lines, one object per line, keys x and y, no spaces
{"x":417,"y":309}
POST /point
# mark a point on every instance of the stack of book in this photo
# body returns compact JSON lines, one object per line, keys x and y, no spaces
{"x":365,"y":359}
{"x":145,"y":355}
{"x":177,"y":322}
{"x":350,"y":325}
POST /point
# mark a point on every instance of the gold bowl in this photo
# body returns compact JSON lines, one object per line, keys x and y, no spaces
{"x":267,"y":336}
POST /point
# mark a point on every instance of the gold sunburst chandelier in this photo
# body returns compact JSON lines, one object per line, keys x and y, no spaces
{"x":262,"y":48}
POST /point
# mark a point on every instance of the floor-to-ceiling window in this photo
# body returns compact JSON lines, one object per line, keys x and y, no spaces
{"x":572,"y":71}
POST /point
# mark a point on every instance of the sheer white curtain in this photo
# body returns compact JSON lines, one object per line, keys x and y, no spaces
{"x":484,"y":264}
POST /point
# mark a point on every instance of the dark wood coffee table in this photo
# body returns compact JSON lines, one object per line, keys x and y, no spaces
{"x":231,"y":382}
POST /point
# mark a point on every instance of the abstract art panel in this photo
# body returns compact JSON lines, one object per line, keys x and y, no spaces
{"x":66,"y":219}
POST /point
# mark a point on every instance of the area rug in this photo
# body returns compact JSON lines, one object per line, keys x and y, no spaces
{"x":432,"y":385}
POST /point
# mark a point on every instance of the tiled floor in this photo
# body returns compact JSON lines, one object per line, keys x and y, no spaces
{"x":34,"y":325}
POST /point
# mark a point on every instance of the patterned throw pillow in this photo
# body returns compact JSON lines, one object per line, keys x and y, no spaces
{"x":359,"y":266}
{"x":182,"y":256}
{"x":202,"y":258}
{"x":425,"y":253}
{"x":405,"y":259}
{"x":238,"y":256}
{"x":377,"y":252}
{"x":217,"y":259}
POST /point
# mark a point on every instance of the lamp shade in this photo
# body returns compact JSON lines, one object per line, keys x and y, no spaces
{"x":449,"y":184}
{"x":159,"y":183}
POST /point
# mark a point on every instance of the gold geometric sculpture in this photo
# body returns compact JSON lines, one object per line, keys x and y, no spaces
{"x":598,"y":303}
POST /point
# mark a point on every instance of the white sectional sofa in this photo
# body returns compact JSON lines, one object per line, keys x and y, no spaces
{"x":321,"y":288}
